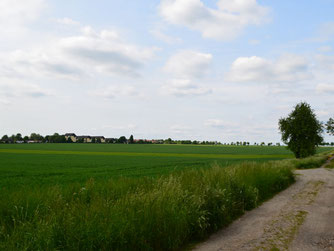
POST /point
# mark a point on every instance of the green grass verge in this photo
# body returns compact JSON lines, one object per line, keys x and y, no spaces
{"x":315,"y":161}
{"x":136,"y":214}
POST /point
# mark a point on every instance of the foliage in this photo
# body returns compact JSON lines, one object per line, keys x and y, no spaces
{"x":122,"y":140}
{"x":301,"y":131}
{"x":331,"y":165}
{"x":36,"y":137}
{"x":55,"y":138}
{"x":131,"y":141}
{"x":330,"y":126}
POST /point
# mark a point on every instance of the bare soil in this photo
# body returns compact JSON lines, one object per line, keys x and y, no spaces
{"x":299,"y":218}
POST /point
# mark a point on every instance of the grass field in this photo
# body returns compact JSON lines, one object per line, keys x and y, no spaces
{"x":132,"y":197}
{"x":46,"y":164}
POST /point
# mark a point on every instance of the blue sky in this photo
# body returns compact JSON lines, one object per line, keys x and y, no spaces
{"x":223,"y":70}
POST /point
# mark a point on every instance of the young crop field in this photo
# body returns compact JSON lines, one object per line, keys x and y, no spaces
{"x":111,"y":197}
{"x":61,"y":164}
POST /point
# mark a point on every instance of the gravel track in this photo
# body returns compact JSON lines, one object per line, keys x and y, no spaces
{"x":299,"y":218}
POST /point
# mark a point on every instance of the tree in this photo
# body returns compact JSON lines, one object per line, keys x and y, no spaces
{"x":36,"y":137}
{"x":301,"y":130}
{"x":4,"y":138}
{"x":169,"y":141}
{"x":131,"y":141}
{"x":18,"y":137}
{"x":330,"y":126}
{"x":122,"y":140}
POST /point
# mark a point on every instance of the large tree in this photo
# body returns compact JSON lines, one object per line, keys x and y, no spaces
{"x":301,"y":130}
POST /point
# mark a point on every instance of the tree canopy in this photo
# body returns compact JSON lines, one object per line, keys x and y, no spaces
{"x":330,"y":126}
{"x":301,"y":130}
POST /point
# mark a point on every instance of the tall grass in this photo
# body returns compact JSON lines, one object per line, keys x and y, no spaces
{"x":136,"y":214}
{"x":311,"y":162}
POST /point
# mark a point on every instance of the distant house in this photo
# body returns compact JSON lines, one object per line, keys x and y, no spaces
{"x":101,"y":138}
{"x":84,"y":139}
{"x":7,"y":141}
{"x":72,"y":136}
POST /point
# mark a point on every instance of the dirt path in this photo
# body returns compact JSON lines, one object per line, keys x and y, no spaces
{"x":299,"y":218}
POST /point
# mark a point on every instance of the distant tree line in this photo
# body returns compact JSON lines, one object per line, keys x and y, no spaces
{"x":33,"y":138}
{"x":58,"y":138}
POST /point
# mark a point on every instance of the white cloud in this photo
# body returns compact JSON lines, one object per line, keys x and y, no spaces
{"x":67,"y":21}
{"x":188,"y":64}
{"x":325,"y":62}
{"x":105,"y":52}
{"x":325,"y":88}
{"x":159,"y":33}
{"x":180,"y":129}
{"x":218,"y":123}
{"x":322,"y":113}
{"x":184,"y":87}
{"x":287,"y":68}
{"x":115,"y":91}
{"x":325,"y":48}
{"x":10,"y":90}
{"x":19,"y":11}
{"x":88,"y":53}
{"x":15,"y":14}
{"x":120,"y":127}
{"x":221,"y":124}
{"x":48,"y":61}
{"x":186,"y":67}
{"x":224,"y":23}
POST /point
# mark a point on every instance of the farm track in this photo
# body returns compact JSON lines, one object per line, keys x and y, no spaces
{"x":299,"y":218}
{"x":148,"y":154}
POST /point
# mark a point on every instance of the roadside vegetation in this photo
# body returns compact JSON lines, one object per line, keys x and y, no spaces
{"x":331,"y":165}
{"x":162,"y":213}
{"x":311,"y":162}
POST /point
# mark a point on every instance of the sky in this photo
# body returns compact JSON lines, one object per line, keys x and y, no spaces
{"x":224,"y":70}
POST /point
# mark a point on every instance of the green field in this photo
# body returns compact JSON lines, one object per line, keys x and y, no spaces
{"x":119,"y":197}
{"x":39,"y":164}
